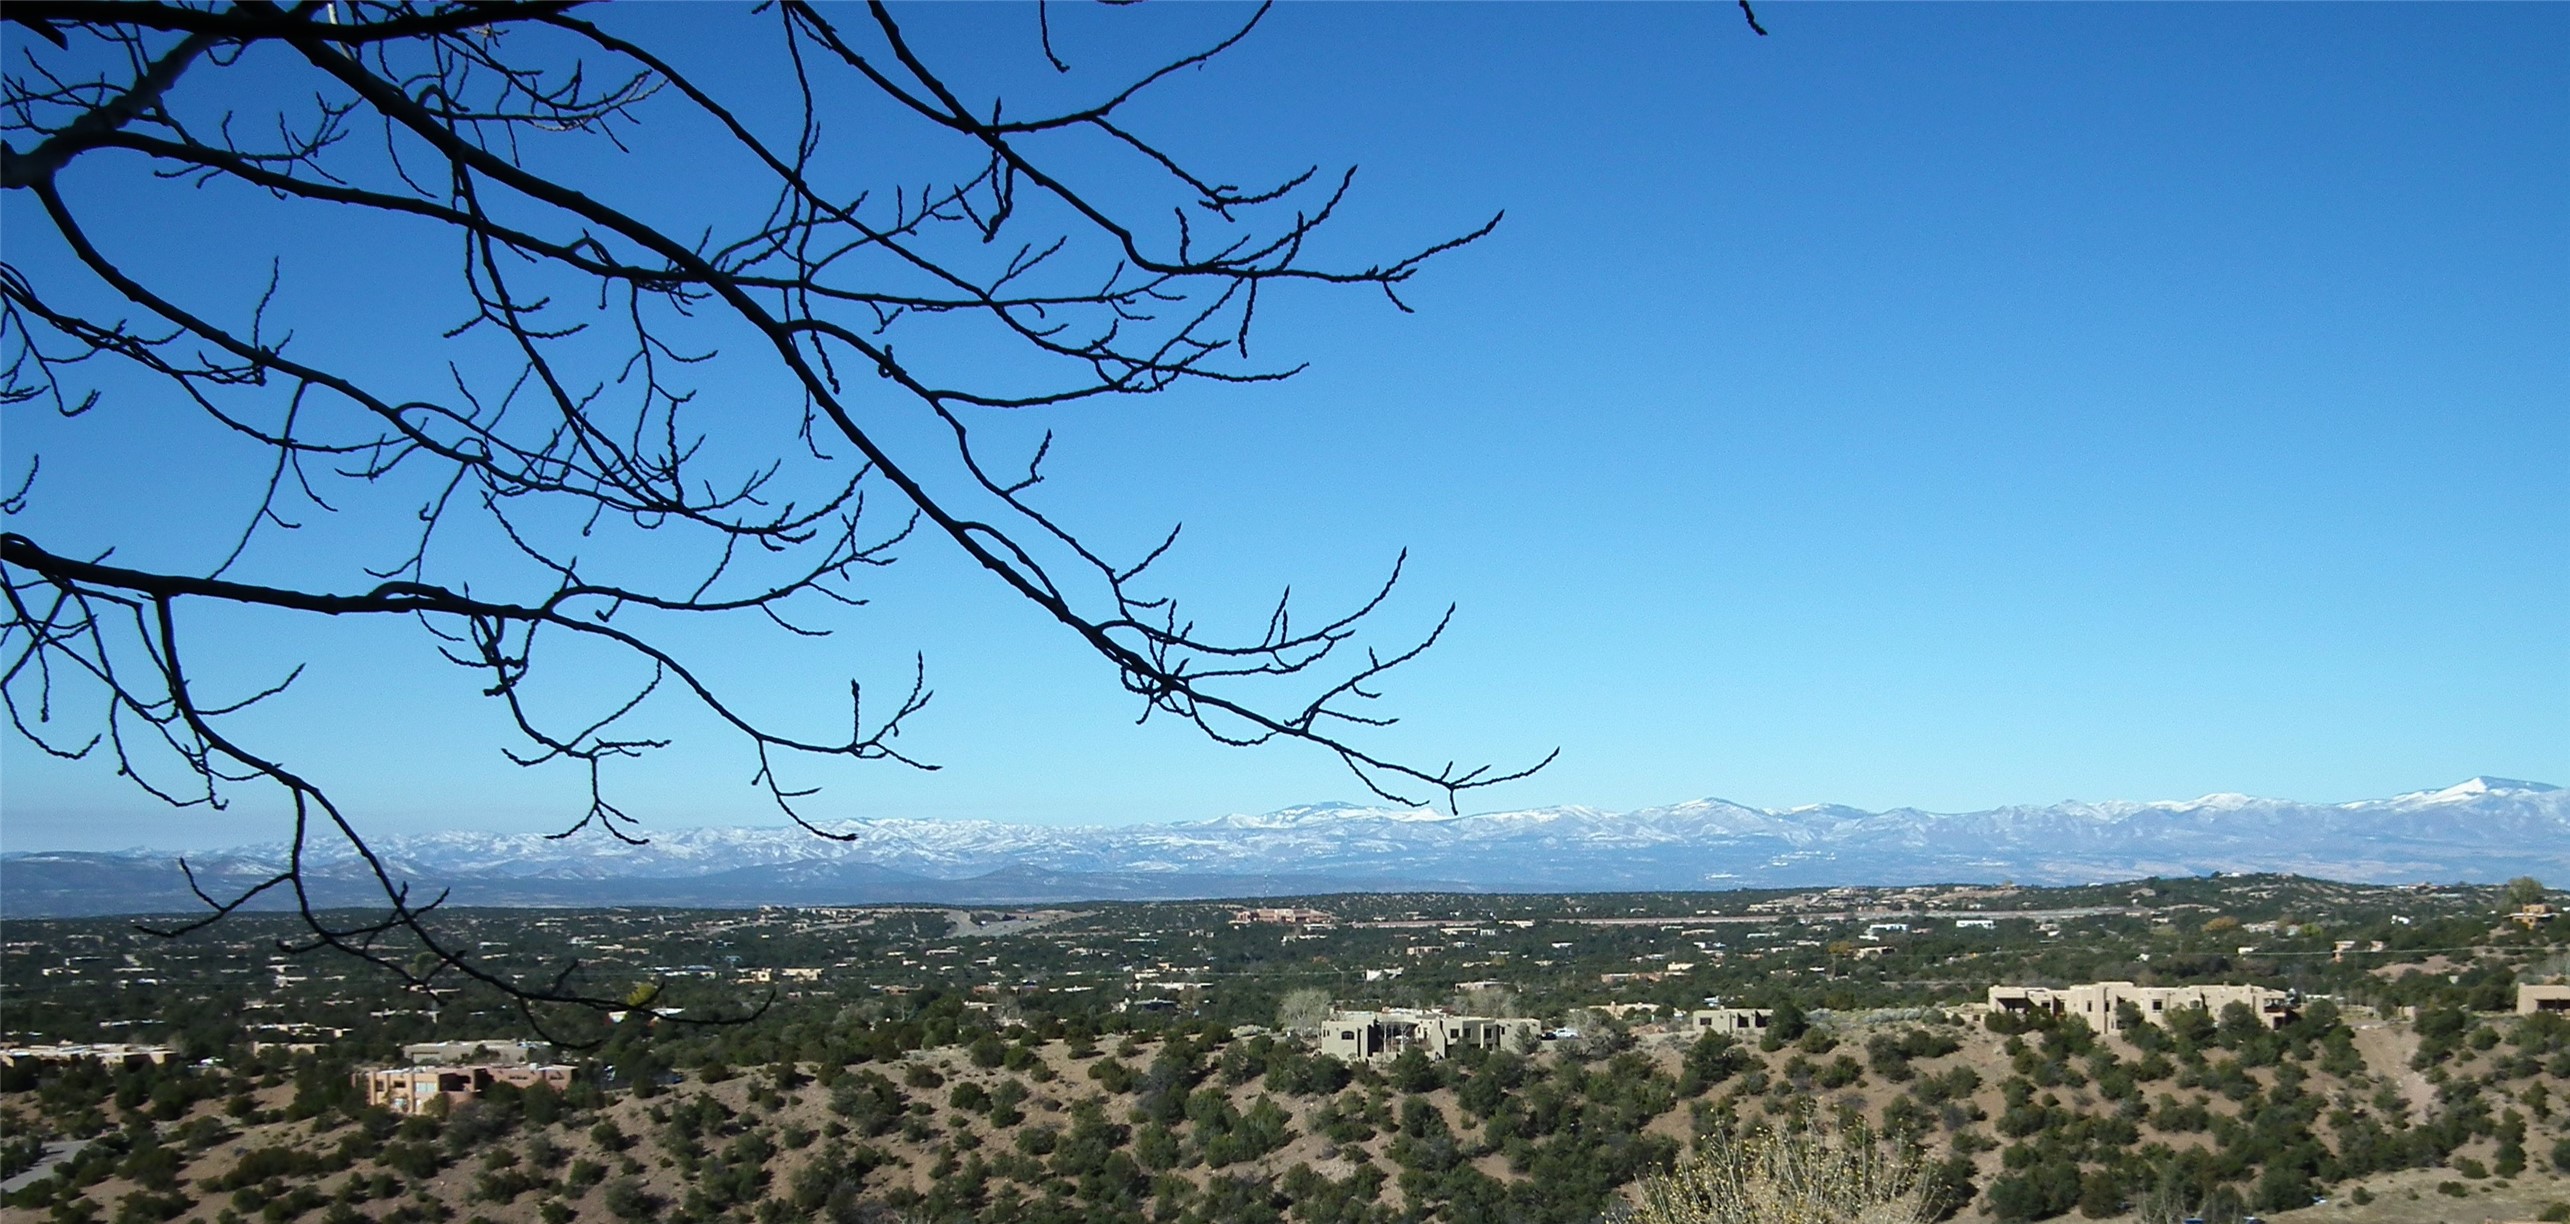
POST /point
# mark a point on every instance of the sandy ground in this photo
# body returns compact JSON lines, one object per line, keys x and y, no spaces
{"x":2410,"y":1195}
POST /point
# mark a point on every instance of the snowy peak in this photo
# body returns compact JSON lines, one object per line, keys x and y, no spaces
{"x":1318,"y":816}
{"x":2225,"y":801}
{"x":2481,"y":829}
{"x":2471,"y":788}
{"x":2486,"y":785}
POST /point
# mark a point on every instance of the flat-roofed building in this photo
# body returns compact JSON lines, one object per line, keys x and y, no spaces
{"x":1355,"y":1036}
{"x":2554,"y":998}
{"x":411,"y":1090}
{"x":1735,"y":1021}
{"x":110,"y":1054}
{"x":2096,"y":1002}
{"x":476,"y":1053}
{"x":1283,"y":916}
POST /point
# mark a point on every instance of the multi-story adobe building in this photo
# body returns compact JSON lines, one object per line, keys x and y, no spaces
{"x":1357,"y":1036}
{"x":2095,"y":1002}
{"x":459,"y":1071}
{"x":477,"y":1053}
{"x":411,"y":1090}
{"x":114,"y":1055}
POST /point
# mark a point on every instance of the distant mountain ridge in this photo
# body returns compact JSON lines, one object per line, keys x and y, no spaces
{"x":2480,"y":829}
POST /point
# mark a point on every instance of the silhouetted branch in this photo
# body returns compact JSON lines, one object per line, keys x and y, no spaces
{"x":556,"y":485}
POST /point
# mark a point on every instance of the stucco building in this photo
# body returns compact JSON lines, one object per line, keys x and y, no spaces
{"x":112,"y":1054}
{"x":1282,"y":916}
{"x":477,"y":1053}
{"x":2095,"y":1002}
{"x":1734,"y":1021}
{"x":411,"y":1090}
{"x":1356,"y":1036}
{"x":458,"y":1071}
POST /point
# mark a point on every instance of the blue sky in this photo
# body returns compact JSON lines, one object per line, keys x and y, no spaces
{"x":1934,"y":405}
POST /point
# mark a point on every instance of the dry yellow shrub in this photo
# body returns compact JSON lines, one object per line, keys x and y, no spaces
{"x":1787,"y":1177}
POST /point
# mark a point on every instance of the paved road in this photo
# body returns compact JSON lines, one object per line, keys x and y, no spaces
{"x":55,"y":1153}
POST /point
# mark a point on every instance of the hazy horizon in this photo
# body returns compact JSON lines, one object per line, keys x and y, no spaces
{"x":1932,"y":406}
{"x":10,"y":844}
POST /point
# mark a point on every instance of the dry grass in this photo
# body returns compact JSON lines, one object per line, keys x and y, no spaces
{"x":1807,"y":1176}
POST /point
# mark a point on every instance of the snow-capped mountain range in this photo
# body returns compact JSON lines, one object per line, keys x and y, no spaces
{"x":2481,"y":829}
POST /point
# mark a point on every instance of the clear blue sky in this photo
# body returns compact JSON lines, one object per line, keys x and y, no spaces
{"x":1934,"y":405}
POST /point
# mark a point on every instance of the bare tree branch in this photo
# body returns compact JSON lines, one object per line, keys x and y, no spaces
{"x":594,"y":330}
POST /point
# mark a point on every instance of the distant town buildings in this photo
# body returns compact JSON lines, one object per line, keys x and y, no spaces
{"x":1282,"y":916}
{"x":112,"y":1054}
{"x":1357,"y":1036}
{"x":2096,"y":1002}
{"x":788,"y":974}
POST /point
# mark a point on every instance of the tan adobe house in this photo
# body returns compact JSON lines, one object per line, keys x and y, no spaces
{"x":459,"y":1071}
{"x":1736,"y":1021}
{"x":112,"y":1054}
{"x":2554,"y":998}
{"x":476,"y":1053}
{"x":411,"y":1090}
{"x":2095,"y":1002}
{"x":1361,"y":1035}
